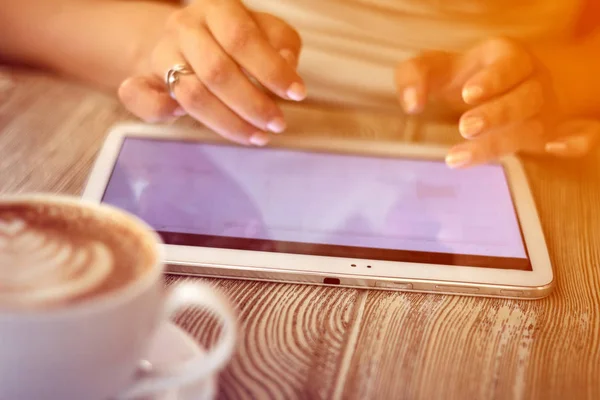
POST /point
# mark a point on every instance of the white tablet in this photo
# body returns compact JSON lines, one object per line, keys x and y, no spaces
{"x":333,"y":212}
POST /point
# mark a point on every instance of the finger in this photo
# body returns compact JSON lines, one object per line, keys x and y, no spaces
{"x":521,"y":104}
{"x":222,"y":76}
{"x":501,"y":65}
{"x":418,"y":77}
{"x":527,"y":136}
{"x":240,"y":37}
{"x":281,"y":36}
{"x":147,"y":99}
{"x":201,"y":104}
{"x":576,"y":139}
{"x":205,"y":107}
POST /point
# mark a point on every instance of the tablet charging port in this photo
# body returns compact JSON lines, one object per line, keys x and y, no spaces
{"x":331,"y":281}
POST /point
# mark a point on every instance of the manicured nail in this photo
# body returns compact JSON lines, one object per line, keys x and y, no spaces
{"x":458,"y":159}
{"x":472,"y":93}
{"x":276,"y":125}
{"x":410,"y":100}
{"x":470,"y":126}
{"x":556,"y":147}
{"x":259,"y":139}
{"x":179,"y":112}
{"x":297,"y":91}
{"x":289,"y":57}
{"x":574,"y":145}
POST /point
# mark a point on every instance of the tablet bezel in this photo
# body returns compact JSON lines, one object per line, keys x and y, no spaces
{"x":539,"y":278}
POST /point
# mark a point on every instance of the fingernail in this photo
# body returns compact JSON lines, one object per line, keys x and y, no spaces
{"x":259,"y":139}
{"x":289,"y":57}
{"x":297,"y":91}
{"x":556,"y":147}
{"x":410,"y":100}
{"x":573,"y":145}
{"x":179,"y":112}
{"x":470,"y":126}
{"x":472,"y":93}
{"x":276,"y":125}
{"x":458,"y":159}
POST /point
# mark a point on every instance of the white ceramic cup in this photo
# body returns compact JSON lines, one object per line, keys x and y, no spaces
{"x":93,"y":349}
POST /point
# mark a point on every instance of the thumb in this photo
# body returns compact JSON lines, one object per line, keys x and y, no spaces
{"x":575,"y":138}
{"x":424,"y":78}
{"x":147,"y":99}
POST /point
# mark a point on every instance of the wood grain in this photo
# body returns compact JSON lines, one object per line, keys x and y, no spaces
{"x":432,"y":347}
{"x":292,"y":338}
{"x":329,"y":343}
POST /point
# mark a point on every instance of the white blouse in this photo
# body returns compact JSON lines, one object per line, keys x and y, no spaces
{"x":351,"y":46}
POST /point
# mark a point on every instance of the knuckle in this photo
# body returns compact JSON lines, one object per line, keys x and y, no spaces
{"x":278,"y":31}
{"x":285,"y":33}
{"x":176,"y":20}
{"x":285,"y":37}
{"x":295,"y":37}
{"x":241,"y":33}
{"x":502,"y":45}
{"x":217,"y":72}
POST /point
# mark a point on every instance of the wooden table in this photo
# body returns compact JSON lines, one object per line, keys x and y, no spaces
{"x":320,"y":342}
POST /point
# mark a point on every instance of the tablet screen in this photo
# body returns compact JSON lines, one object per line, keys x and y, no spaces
{"x":338,"y":205}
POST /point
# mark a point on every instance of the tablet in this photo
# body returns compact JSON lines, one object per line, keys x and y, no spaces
{"x":333,"y":212}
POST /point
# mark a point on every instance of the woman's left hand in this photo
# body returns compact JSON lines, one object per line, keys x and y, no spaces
{"x":506,"y":97}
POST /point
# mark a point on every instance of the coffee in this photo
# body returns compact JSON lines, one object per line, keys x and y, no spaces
{"x":52,"y":254}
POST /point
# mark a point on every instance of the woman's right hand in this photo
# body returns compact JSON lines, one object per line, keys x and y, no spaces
{"x":227,"y":47}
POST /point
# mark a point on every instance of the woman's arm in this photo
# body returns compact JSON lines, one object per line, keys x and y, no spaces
{"x":99,"y":41}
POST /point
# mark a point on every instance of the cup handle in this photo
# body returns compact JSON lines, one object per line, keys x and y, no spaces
{"x":162,"y":378}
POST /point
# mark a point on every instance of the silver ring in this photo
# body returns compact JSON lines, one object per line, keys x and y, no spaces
{"x":172,"y":76}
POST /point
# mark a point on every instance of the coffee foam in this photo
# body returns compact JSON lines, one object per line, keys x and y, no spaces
{"x":52,"y":256}
{"x":44,"y":267}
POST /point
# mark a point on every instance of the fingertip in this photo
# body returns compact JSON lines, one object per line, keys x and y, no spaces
{"x":556,"y":148}
{"x":458,"y":158}
{"x":470,"y":125}
{"x":472,"y":93}
{"x":179,"y":112}
{"x":277,"y":125}
{"x":259,"y":139}
{"x":574,"y":146}
{"x":296,"y":91}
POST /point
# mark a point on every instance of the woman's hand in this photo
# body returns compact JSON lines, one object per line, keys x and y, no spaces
{"x":229,"y":49}
{"x":506,"y":98}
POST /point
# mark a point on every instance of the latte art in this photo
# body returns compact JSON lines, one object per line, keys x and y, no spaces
{"x":41,"y":266}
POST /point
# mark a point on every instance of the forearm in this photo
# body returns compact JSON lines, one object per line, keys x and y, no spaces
{"x":99,"y":41}
{"x":575,"y":71}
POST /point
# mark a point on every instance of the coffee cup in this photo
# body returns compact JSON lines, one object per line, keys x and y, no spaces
{"x":81,"y":295}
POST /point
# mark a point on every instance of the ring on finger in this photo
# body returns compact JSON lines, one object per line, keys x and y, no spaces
{"x":173,"y":74}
